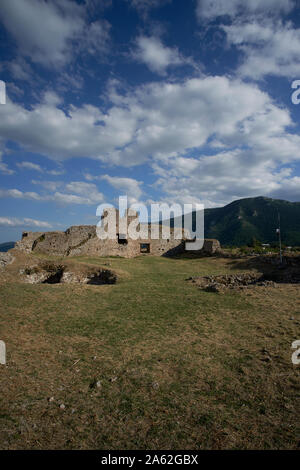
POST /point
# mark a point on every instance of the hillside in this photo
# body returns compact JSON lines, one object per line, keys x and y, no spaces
{"x":237,"y":223}
{"x":6,"y":246}
{"x":240,"y":221}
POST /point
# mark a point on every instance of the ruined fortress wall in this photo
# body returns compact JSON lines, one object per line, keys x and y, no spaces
{"x":96,"y":247}
{"x":211,"y":245}
{"x":83,"y":240}
{"x":28,"y":238}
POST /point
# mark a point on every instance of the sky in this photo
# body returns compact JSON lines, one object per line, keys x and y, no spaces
{"x":160,"y":100}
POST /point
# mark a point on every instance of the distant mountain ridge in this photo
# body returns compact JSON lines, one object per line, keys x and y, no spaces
{"x":6,"y":246}
{"x":241,"y":220}
{"x":237,"y":223}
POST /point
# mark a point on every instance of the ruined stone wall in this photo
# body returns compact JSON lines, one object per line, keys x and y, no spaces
{"x":27,"y":241}
{"x":211,"y":245}
{"x":96,"y":247}
{"x":83,"y":240}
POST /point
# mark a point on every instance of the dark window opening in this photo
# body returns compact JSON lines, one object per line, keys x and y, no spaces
{"x":121,"y":240}
{"x":145,"y":247}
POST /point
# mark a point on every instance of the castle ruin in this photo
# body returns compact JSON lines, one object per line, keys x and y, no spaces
{"x":83,"y":240}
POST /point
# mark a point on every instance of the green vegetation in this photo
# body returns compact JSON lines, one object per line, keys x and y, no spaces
{"x":178,"y":367}
{"x":239,"y":222}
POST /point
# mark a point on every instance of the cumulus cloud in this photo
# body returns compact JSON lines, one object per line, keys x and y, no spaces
{"x":78,"y":192}
{"x":218,"y":179}
{"x":84,"y":131}
{"x":268,"y":44}
{"x":49,"y":185}
{"x":155,"y":121}
{"x":269,"y":48}
{"x":4,"y":167}
{"x":88,"y":190}
{"x":162,"y":123}
{"x":17,"y":194}
{"x":30,"y":166}
{"x":46,"y":31}
{"x":128,"y":186}
{"x":157,"y":57}
{"x":211,"y":9}
{"x":26,"y":222}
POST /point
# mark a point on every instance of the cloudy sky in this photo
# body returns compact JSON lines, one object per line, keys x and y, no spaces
{"x":162,"y":100}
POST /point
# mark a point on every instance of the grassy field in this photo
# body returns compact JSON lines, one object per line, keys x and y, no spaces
{"x":177,"y":367}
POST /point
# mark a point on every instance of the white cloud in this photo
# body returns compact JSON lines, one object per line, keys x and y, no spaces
{"x":56,"y":172}
{"x":268,"y":44}
{"x":218,"y":179}
{"x":157,"y":120}
{"x":30,"y":166}
{"x":20,"y":69}
{"x":42,"y":29}
{"x":161,"y":123}
{"x":88,"y":190}
{"x":269,"y":48}
{"x":74,"y":193}
{"x":210,"y":9}
{"x":97,"y":37}
{"x":128,"y":186}
{"x":90,"y":177}
{"x":63,"y":198}
{"x":47,"y":32}
{"x":48,"y":130}
{"x":17,"y":194}
{"x":4,"y":167}
{"x":157,"y":57}
{"x":13,"y":89}
{"x":26,"y":222}
{"x":49,"y":185}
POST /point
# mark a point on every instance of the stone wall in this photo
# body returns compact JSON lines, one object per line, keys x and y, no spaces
{"x":211,"y":245}
{"x":83,"y":240}
{"x":27,"y":241}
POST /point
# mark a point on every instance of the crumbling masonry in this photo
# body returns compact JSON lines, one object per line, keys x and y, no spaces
{"x":83,"y":240}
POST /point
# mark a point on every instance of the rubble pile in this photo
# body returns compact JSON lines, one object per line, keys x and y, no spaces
{"x":221,"y":283}
{"x":5,"y":258}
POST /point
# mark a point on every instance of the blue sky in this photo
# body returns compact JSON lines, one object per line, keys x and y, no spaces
{"x":162,"y":100}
